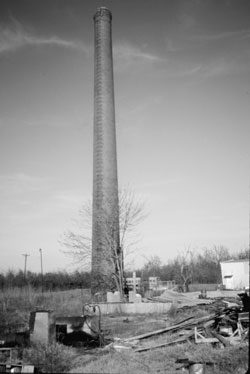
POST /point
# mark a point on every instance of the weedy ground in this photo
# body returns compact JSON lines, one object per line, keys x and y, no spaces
{"x":230,"y":360}
{"x":16,"y":305}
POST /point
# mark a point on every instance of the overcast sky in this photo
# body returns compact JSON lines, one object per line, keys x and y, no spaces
{"x":182,"y":96}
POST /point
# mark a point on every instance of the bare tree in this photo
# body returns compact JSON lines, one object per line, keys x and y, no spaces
{"x":153,"y":266}
{"x":132,"y":211}
{"x":217,"y":254}
{"x":77,"y":242}
{"x":186,"y":263}
{"x":243,"y":254}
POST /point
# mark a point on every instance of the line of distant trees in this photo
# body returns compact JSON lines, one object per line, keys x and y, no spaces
{"x":186,"y":268}
{"x":191,"y":266}
{"x":51,"y":281}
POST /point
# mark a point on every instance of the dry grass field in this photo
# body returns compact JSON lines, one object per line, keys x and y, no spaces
{"x":232,"y":360}
{"x":15,"y":306}
{"x":17,"y":303}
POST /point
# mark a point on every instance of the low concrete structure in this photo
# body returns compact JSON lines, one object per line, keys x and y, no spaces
{"x":134,"y":308}
{"x":46,"y":327}
{"x":134,"y":297}
{"x":42,"y":326}
{"x":72,"y":323}
{"x":113,"y":297}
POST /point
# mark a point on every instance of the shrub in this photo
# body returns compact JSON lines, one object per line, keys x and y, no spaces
{"x":53,"y":358}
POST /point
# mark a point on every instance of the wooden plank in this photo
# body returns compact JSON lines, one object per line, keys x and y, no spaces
{"x":202,"y":339}
{"x":207,"y":340}
{"x":225,"y":342}
{"x":244,"y":317}
{"x":173,"y":327}
{"x":180,"y":340}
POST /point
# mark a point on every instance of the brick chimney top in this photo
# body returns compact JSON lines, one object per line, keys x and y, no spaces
{"x":102,"y":12}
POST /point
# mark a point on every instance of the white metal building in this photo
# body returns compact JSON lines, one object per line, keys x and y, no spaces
{"x":235,"y":274}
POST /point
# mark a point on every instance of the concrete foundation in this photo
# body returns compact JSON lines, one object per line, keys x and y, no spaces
{"x":42,"y":327}
{"x":134,"y":308}
{"x":46,"y":328}
{"x":72,"y":323}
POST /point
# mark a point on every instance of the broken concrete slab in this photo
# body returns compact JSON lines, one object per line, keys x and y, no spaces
{"x":134,"y":308}
{"x":131,"y":296}
{"x":42,"y":327}
{"x":113,"y":297}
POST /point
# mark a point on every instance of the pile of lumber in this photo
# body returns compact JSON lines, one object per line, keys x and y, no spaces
{"x":227,"y":326}
{"x":181,"y":299}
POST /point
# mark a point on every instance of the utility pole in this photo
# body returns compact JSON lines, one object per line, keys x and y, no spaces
{"x":41,"y":257}
{"x":25,"y":264}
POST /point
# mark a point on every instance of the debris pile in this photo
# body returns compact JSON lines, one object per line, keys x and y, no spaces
{"x":16,"y":368}
{"x":182,"y":299}
{"x":228,"y":325}
{"x":193,"y":366}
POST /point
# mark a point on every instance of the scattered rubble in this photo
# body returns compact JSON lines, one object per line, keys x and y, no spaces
{"x":17,"y":368}
{"x":193,"y":367}
{"x":225,"y":326}
{"x":182,"y":299}
{"x":45,"y":327}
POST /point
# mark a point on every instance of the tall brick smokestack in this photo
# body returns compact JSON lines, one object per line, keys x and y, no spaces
{"x":105,"y":224}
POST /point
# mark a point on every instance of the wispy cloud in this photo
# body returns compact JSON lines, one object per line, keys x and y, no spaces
{"x":215,"y":68}
{"x":17,"y":183}
{"x":15,"y":36}
{"x":159,"y":183}
{"x":204,"y":71}
{"x":34,"y":197}
{"x":191,"y":71}
{"x":238,"y":34}
{"x":127,"y":51}
{"x":55,"y":121}
{"x":70,"y":197}
{"x":232,"y":41}
{"x":126,"y":54}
